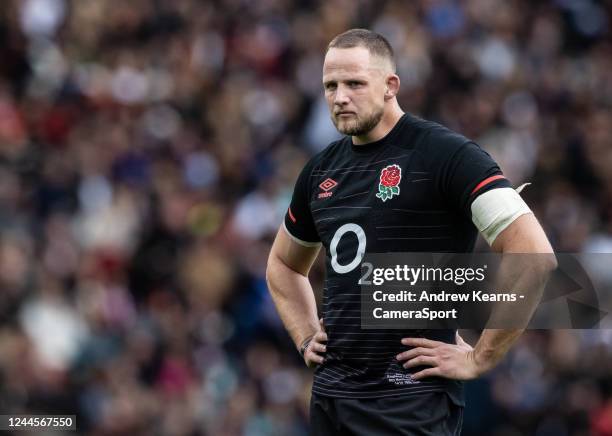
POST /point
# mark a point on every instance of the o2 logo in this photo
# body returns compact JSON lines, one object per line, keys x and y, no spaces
{"x":333,"y":247}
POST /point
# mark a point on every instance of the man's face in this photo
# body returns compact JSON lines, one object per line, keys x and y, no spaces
{"x":354,"y":84}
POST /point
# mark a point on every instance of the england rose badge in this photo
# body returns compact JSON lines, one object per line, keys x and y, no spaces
{"x":390,"y":178}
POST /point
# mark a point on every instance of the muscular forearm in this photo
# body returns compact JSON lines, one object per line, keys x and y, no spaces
{"x":493,"y":346}
{"x":525,"y":274}
{"x":294,"y":300}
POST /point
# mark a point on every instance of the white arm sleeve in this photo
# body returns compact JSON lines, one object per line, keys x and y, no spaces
{"x":495,"y":210}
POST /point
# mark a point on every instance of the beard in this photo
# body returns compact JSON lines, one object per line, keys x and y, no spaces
{"x":357,"y":126}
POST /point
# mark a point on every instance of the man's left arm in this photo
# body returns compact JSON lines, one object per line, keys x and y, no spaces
{"x":460,"y":361}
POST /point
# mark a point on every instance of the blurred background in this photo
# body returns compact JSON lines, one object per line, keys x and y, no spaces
{"x":148,"y":151}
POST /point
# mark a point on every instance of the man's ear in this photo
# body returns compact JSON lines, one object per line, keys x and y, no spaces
{"x":392,"y":86}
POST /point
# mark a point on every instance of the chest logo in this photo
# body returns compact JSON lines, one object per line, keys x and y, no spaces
{"x":326,"y":186}
{"x":390,"y":178}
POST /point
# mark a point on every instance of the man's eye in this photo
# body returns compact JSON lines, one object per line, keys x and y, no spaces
{"x":330,"y":86}
{"x":354,"y":84}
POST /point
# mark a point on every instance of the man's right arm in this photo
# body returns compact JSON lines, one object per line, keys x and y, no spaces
{"x":287,"y":276}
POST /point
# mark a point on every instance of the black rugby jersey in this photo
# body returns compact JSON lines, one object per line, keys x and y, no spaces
{"x":411,"y":191}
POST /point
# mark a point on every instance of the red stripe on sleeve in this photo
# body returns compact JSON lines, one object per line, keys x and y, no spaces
{"x":291,"y":216}
{"x":486,"y":181}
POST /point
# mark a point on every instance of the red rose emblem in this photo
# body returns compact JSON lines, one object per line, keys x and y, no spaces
{"x":391,"y":176}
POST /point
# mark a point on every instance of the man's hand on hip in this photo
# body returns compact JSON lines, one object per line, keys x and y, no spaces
{"x":454,"y":361}
{"x":315,"y":348}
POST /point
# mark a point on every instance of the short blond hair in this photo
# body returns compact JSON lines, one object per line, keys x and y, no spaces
{"x":374,"y":42}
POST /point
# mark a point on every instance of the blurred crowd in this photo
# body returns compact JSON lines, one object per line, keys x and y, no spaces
{"x":148,"y":151}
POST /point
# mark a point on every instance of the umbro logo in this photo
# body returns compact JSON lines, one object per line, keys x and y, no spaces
{"x":326,"y":186}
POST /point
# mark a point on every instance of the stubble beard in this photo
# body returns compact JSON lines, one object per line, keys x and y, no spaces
{"x":358,"y":126}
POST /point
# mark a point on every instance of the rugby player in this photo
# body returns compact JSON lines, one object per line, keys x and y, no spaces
{"x":393,"y":183}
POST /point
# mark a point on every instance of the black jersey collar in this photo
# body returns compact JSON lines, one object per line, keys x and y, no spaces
{"x":371,"y":147}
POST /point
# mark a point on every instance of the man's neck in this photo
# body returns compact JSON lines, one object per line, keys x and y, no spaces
{"x":386,"y":124}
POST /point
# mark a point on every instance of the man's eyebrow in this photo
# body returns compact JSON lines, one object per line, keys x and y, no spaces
{"x":348,"y":79}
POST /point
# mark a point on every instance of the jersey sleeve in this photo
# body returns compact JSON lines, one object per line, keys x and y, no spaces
{"x":298,"y":222}
{"x":463,"y":170}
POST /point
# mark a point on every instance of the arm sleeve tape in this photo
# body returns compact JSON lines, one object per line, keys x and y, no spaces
{"x":494,"y":210}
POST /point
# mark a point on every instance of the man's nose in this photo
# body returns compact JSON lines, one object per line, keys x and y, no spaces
{"x":341,"y":97}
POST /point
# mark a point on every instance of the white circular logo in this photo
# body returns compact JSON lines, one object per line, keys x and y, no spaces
{"x":361,"y":237}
